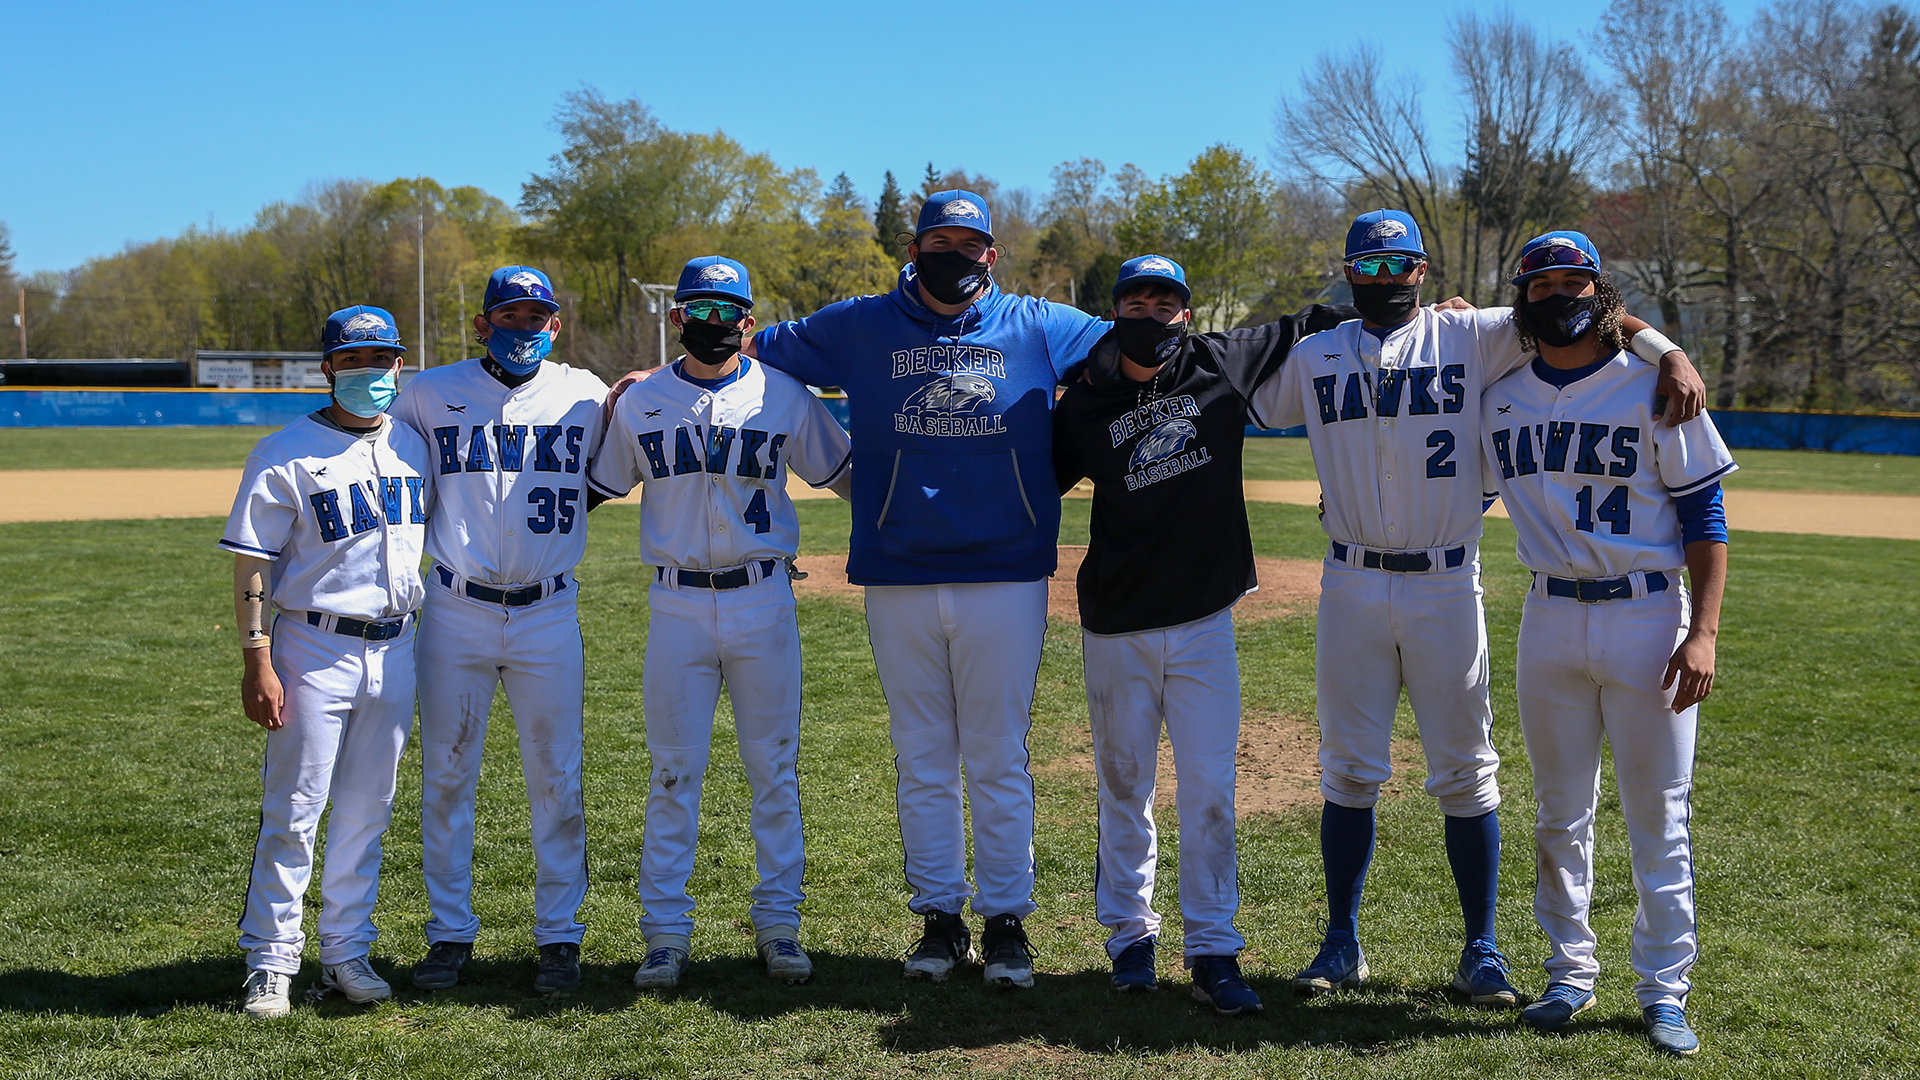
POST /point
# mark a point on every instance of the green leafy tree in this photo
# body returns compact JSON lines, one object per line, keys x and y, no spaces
{"x":890,"y":220}
{"x":1218,"y":220}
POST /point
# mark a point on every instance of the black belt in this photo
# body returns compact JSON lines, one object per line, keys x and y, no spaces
{"x":379,"y":630}
{"x":520,"y":597}
{"x":1592,"y":591}
{"x":1402,"y":562}
{"x":724,"y":579}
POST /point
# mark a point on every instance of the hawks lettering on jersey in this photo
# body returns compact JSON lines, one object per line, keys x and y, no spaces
{"x":384,"y":492}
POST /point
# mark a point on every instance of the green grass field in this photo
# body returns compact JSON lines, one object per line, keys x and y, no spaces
{"x":129,"y":798}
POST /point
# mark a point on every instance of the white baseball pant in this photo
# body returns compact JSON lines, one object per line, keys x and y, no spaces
{"x":697,"y":638}
{"x":349,"y":706}
{"x":467,"y":648}
{"x":1378,"y":630}
{"x":1591,"y":670}
{"x":1188,"y":677}
{"x":958,"y":664}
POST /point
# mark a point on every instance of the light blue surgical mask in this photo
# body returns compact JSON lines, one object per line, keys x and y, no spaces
{"x":365,"y":392}
{"x":519,"y":351}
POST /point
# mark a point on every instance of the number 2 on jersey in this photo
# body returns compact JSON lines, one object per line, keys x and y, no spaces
{"x":1613,"y":510}
{"x":1438,"y":463}
{"x":757,"y":514}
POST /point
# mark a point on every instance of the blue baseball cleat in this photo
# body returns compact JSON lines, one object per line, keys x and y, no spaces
{"x":1340,"y":963}
{"x":1217,"y":982}
{"x":1667,"y":1030}
{"x":1554,"y":1009}
{"x":1133,"y":968}
{"x":1482,"y":976}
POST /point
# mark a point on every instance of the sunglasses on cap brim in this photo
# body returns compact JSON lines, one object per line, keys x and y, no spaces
{"x":1390,"y":265}
{"x":701,"y":310}
{"x":1556,"y":257}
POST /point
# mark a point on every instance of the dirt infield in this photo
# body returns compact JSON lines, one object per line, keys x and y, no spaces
{"x":96,"y":494}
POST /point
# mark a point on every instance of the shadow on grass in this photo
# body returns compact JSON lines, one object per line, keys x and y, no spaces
{"x":1072,"y":1010}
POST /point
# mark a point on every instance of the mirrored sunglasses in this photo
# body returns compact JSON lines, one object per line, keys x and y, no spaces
{"x":1390,"y":265}
{"x":1552,"y":256}
{"x":701,"y":310}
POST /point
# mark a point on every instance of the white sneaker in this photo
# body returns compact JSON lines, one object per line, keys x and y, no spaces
{"x":266,"y":994}
{"x":779,"y":947}
{"x":355,"y":981}
{"x":667,"y":956}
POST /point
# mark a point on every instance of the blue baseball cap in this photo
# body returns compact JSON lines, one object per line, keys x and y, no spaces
{"x":1154,"y":270}
{"x":716,"y":276}
{"x":955,"y":208}
{"x":1384,"y":232}
{"x":1560,"y":250}
{"x":511,"y":283}
{"x":360,"y":327}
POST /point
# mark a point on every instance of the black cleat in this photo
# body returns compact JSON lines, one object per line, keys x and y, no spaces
{"x":944,"y":943}
{"x":559,"y":968}
{"x":440,"y":970}
{"x":1005,"y":951}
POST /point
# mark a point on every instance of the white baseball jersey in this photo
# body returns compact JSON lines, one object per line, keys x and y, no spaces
{"x":341,"y":516}
{"x":511,"y":466}
{"x":714,"y":463}
{"x":1589,"y":473}
{"x":1392,"y":423}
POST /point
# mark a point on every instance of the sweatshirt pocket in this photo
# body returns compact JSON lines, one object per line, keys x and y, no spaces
{"x":952,"y":504}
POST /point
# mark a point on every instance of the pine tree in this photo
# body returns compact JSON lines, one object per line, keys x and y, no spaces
{"x":842,"y":194}
{"x":890,"y":220}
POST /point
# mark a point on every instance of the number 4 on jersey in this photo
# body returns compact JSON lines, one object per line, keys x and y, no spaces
{"x":757,"y":514}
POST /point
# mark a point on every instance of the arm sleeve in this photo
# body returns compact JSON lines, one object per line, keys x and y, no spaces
{"x":615,"y":465}
{"x":1251,"y":355}
{"x":1702,"y":515}
{"x":1068,"y":469}
{"x":812,"y":349}
{"x":406,"y":409}
{"x":1276,"y":403}
{"x":825,"y":452}
{"x":1071,"y":334}
{"x":264,"y":511}
{"x":598,"y":389}
{"x":1691,"y":456}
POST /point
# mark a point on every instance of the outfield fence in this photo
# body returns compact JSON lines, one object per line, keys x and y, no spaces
{"x":34,"y":406}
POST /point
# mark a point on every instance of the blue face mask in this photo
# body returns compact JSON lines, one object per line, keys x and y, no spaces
{"x":365,"y":392}
{"x":519,"y":351}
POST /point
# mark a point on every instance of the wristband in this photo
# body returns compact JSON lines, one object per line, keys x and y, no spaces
{"x":1650,"y":345}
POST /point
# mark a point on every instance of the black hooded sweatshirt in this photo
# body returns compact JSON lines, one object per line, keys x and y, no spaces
{"x":1169,"y":539}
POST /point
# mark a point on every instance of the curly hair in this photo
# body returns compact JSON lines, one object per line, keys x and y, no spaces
{"x":1608,"y":310}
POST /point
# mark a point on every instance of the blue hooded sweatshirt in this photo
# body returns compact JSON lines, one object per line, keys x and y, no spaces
{"x":952,"y":428}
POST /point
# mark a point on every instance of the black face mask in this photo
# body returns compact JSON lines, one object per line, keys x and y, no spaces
{"x":949,"y":276}
{"x":710,"y":343}
{"x":1560,"y":320}
{"x":1147,"y":341}
{"x":1386,"y":304}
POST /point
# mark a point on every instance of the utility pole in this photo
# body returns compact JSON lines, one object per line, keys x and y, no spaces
{"x":420,"y":262}
{"x":20,"y":320}
{"x":464,"y":330}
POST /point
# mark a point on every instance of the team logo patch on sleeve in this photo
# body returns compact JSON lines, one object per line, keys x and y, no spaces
{"x":950,"y":405}
{"x":1162,"y":452}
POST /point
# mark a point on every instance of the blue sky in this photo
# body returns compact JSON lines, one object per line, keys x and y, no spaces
{"x":128,"y":122}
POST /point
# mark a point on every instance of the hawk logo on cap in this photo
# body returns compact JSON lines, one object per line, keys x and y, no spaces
{"x":364,"y":325}
{"x":528,"y":281}
{"x":1162,"y":443}
{"x":1559,"y":241}
{"x":1386,"y":230}
{"x":950,"y":394}
{"x":1156,"y":266}
{"x":959,"y":208}
{"x":719,"y":272}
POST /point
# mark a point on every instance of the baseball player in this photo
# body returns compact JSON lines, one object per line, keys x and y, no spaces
{"x":1391,"y":402}
{"x":711,"y":442}
{"x":1157,"y":422}
{"x":1608,"y":505}
{"x":326,"y":532}
{"x":950,"y":383}
{"x":511,"y":434}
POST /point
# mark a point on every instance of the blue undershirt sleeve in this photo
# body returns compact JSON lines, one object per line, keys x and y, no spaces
{"x":1702,"y":517}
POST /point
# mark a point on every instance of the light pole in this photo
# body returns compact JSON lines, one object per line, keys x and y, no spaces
{"x":659,"y":299}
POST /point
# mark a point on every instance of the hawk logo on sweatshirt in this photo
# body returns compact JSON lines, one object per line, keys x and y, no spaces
{"x":1162,"y":452}
{"x":947,"y":405}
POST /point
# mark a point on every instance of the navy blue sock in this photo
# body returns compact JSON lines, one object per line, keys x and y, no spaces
{"x":1473,"y":850}
{"x":1346,"y":848}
